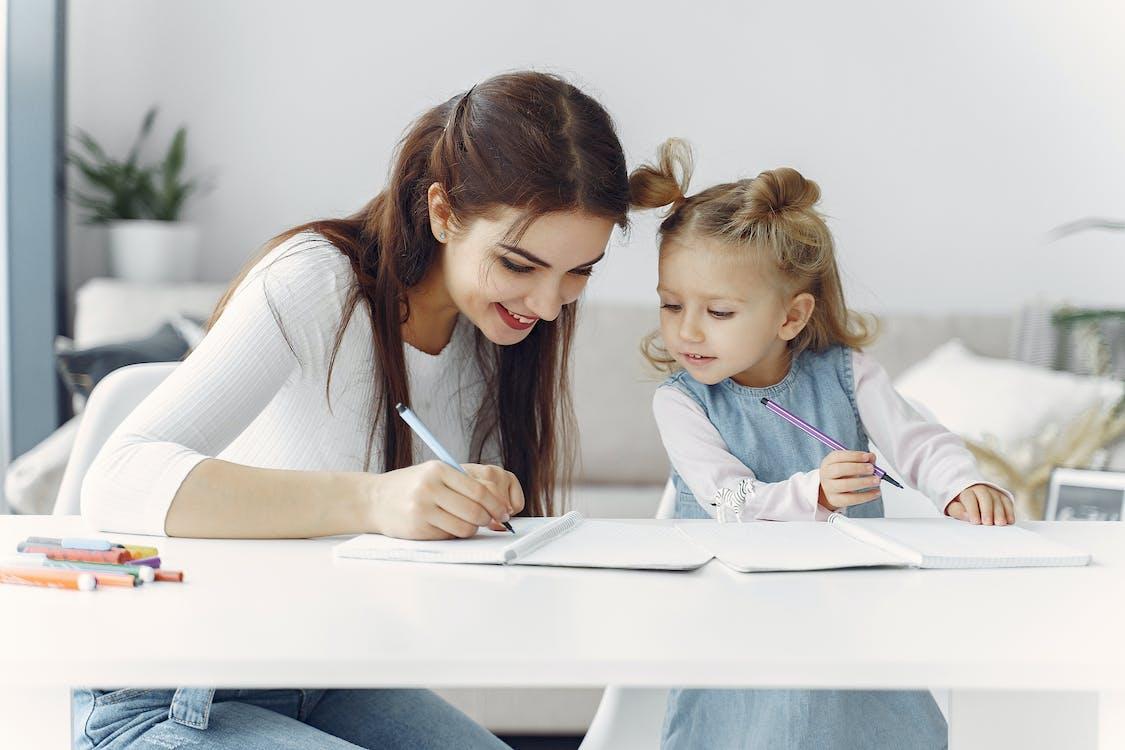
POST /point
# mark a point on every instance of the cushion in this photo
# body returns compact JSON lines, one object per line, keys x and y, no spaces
{"x":1020,"y":419}
{"x":82,"y":368}
{"x":31,"y":481}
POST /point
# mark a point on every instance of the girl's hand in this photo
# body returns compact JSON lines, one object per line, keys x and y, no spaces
{"x":981,"y":504}
{"x":847,"y":478}
{"x":432,"y":500}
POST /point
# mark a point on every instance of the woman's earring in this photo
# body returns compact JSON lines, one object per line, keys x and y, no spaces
{"x":441,"y":236}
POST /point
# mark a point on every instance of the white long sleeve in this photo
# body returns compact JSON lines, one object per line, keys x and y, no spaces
{"x":926,"y":455}
{"x":253,"y":392}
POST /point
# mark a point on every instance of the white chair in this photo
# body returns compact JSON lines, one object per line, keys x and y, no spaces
{"x":631,"y":718}
{"x":114,"y":397}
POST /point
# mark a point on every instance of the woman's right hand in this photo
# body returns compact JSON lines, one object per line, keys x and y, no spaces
{"x":432,"y":500}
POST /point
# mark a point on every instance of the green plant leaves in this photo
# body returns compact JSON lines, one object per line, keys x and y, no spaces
{"x":122,"y":190}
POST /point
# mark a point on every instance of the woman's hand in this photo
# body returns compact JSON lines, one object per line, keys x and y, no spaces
{"x":503,"y":484}
{"x":982,"y":504}
{"x":432,"y":500}
{"x":847,"y":478}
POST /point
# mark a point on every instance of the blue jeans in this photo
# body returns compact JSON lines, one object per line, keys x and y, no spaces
{"x":269,"y":719}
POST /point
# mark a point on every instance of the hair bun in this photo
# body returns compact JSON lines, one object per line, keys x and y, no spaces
{"x":777,"y":191}
{"x":666,"y":182}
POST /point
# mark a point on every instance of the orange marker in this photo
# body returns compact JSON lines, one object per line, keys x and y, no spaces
{"x":170,"y":575}
{"x":50,"y":577}
{"x":115,"y":579}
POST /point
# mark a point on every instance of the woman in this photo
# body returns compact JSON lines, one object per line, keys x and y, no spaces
{"x":451,"y":291}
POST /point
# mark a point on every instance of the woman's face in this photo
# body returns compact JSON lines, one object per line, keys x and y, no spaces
{"x":505,"y":286}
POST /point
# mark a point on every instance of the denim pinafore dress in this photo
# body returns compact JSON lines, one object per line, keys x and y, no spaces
{"x":819,"y":388}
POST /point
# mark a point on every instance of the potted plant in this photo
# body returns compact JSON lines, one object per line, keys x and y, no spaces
{"x":140,"y":205}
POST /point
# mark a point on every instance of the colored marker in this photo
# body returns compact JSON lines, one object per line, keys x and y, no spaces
{"x":104,"y":573}
{"x":116,"y":555}
{"x":808,"y":429}
{"x":139,"y":573}
{"x":54,"y":579}
{"x":140,"y":553}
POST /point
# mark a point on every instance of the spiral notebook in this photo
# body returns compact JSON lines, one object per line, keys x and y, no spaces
{"x":566,"y":541}
{"x":845,"y":542}
{"x":761,"y":546}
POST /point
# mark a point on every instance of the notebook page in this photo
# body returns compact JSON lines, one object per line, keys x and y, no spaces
{"x":487,"y":547}
{"x":784,"y":545}
{"x":596,"y":543}
{"x":948,"y":543}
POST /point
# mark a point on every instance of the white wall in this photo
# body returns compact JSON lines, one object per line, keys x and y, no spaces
{"x":947,"y":137}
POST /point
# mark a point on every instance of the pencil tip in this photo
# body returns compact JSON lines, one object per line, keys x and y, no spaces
{"x":892,"y":480}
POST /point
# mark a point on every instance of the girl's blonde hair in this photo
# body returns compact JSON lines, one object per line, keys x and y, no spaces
{"x":773,"y":213}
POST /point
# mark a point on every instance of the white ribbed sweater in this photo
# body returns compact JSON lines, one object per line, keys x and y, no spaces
{"x":243,"y":395}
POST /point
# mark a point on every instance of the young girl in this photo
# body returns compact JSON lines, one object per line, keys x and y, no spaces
{"x":751,"y":306}
{"x":452,"y":291}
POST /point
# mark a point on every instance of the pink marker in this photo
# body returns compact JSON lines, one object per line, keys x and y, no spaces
{"x":808,"y":429}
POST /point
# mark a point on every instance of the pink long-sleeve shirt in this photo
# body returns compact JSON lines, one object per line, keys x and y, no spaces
{"x":922,"y":453}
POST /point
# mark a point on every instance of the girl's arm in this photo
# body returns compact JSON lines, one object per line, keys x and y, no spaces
{"x":929,"y":457}
{"x":701,"y":457}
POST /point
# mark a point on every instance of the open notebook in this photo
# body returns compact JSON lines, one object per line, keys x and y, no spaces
{"x":574,"y":541}
{"x":845,"y":542}
{"x":569,"y":540}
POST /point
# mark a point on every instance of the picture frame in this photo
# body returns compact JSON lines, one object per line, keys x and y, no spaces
{"x":1085,"y":495}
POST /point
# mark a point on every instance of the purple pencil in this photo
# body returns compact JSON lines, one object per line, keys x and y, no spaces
{"x":808,"y":429}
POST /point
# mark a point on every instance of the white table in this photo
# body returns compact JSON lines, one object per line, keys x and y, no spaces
{"x":1039,"y":649}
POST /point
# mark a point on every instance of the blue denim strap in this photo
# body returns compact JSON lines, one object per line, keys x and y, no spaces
{"x":192,"y":707}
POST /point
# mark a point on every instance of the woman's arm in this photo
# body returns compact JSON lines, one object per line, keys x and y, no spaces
{"x":157,"y":473}
{"x":701,"y":457}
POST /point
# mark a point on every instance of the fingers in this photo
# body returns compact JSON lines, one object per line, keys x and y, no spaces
{"x":852,"y":498}
{"x":503,"y":483}
{"x":1009,"y":508}
{"x":999,"y":506}
{"x":449,"y":524}
{"x":956,"y":509}
{"x":836,"y":457}
{"x":842,"y":499}
{"x":476,"y":491}
{"x":984,"y":502}
{"x":853,"y":484}
{"x":972,"y":509}
{"x":847,"y":469}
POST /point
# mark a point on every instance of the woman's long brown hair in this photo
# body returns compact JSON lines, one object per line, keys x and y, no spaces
{"x":526,"y":140}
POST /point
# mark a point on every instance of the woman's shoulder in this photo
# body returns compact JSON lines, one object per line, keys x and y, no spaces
{"x":306,"y":260}
{"x":304,"y":285}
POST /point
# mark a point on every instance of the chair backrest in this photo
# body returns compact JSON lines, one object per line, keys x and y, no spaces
{"x":113,"y":399}
{"x":667,"y":507}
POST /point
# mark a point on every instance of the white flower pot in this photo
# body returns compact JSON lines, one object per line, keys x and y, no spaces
{"x":153,"y":251}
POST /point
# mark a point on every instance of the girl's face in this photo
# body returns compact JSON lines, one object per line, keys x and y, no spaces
{"x":507,"y":286}
{"x":724,"y":314}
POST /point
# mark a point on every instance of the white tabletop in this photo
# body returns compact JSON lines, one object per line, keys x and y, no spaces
{"x":272,"y":613}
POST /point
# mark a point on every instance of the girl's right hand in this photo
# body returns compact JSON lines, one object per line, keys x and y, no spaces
{"x":847,"y":478}
{"x":432,"y":500}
